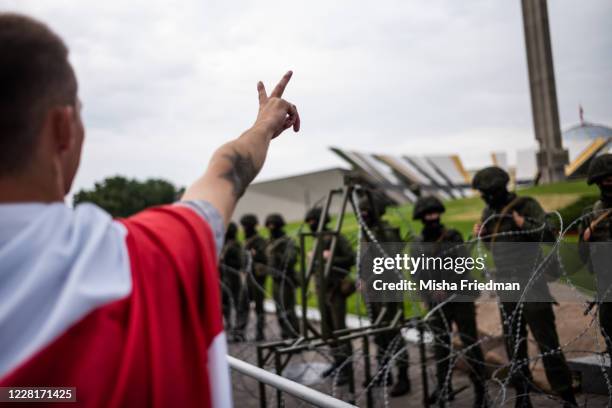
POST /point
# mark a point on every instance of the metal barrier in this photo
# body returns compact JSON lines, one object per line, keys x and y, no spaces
{"x":300,"y":391}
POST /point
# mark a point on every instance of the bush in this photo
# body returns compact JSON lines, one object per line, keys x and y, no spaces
{"x":122,"y":197}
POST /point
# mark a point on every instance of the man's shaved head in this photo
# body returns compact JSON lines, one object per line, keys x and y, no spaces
{"x":35,"y":76}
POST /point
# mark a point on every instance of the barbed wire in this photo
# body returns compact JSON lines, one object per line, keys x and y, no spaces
{"x":398,"y":347}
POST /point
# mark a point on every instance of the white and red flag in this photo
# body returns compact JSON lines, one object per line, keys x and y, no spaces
{"x":126,"y":311}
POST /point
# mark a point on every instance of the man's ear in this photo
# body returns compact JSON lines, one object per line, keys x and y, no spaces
{"x":64,"y":135}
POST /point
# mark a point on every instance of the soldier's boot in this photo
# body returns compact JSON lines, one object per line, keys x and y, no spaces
{"x":259,"y":328}
{"x":569,"y":399}
{"x":344,"y":375}
{"x":523,"y":401}
{"x":436,"y":395}
{"x":402,"y":386}
{"x":383,"y":378}
{"x":385,"y":373}
{"x":481,"y":399}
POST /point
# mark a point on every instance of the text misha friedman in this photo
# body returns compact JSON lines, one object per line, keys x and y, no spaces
{"x":413,"y":264}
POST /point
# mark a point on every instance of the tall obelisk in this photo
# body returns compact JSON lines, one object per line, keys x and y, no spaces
{"x":551,"y":157}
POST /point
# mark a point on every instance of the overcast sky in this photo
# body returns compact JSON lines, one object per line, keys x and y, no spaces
{"x":165,"y":82}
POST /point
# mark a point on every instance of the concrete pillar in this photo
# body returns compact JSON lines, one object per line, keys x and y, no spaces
{"x":551,"y":158}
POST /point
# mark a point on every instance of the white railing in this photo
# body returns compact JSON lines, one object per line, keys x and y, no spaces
{"x":300,"y":391}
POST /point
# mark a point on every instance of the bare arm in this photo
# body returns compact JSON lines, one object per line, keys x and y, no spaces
{"x":235,"y":164}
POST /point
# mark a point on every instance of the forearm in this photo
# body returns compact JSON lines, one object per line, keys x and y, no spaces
{"x":231,"y":169}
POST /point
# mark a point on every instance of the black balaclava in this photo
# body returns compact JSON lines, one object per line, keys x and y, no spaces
{"x":313,"y":217}
{"x":276,"y":230}
{"x":606,"y":193}
{"x":368,"y":210}
{"x":432,"y":229}
{"x":496,"y":198}
{"x":370,"y":217}
{"x":249,"y":231}
{"x":275,"y":224}
{"x":313,"y":225}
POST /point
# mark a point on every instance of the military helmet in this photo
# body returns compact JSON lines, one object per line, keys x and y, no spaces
{"x":490,"y":178}
{"x":600,"y":167}
{"x":249,"y":220}
{"x":315,"y":214}
{"x":275,"y":219}
{"x":426,"y":205}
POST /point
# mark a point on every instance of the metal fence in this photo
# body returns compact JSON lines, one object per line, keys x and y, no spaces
{"x":297,"y":390}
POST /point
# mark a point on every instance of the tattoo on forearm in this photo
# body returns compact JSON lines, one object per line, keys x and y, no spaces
{"x":241,"y":172}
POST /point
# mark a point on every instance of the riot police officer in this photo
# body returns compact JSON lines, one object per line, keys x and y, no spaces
{"x":510,"y":218}
{"x":436,"y":240}
{"x":378,"y":230}
{"x":596,"y":227}
{"x":337,"y":287}
{"x":281,"y":254}
{"x":233,"y":290}
{"x":256,"y":265}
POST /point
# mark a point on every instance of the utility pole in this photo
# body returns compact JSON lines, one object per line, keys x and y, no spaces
{"x":551,"y":157}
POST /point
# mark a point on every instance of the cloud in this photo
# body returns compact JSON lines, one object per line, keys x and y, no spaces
{"x":164,"y":83}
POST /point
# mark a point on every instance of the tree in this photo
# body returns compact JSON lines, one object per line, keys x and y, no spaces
{"x":122,"y":197}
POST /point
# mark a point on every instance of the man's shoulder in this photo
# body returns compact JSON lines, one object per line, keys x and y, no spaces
{"x":486,"y":212}
{"x":597,"y":206}
{"x":526,"y":205}
{"x":279,"y":242}
{"x":453,"y":235}
{"x":255,"y":241}
{"x":181,"y":216}
{"x":89,"y":214}
{"x":526,"y":200}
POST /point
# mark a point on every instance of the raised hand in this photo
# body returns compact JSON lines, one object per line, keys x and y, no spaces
{"x":275,"y":113}
{"x":235,"y":164}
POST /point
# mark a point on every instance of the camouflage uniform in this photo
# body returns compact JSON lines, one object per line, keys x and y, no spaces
{"x":382,"y":232}
{"x":332,"y":303}
{"x":256,"y":262}
{"x":537,"y":311}
{"x":437,"y":241}
{"x":233,"y":289}
{"x":598,"y":220}
{"x":281,"y":254}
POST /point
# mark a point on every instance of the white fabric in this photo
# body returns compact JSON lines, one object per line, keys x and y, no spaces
{"x":57,"y":264}
{"x":218,"y":372}
{"x":212,"y":216}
